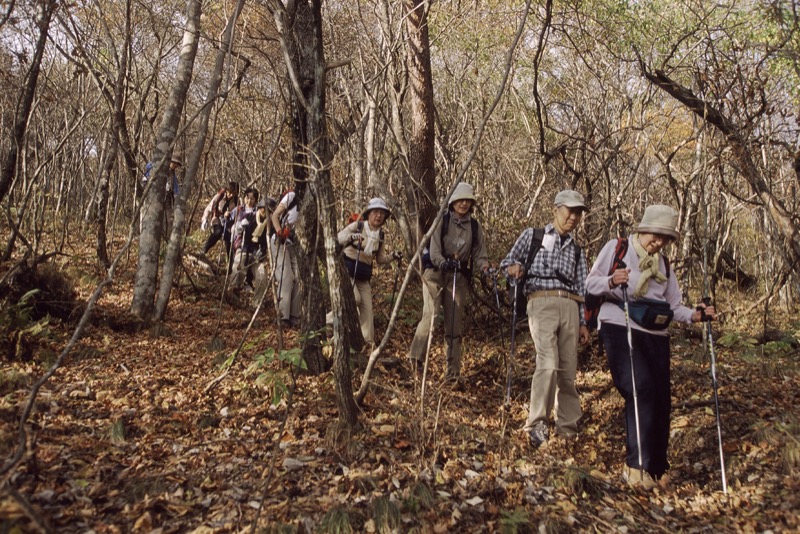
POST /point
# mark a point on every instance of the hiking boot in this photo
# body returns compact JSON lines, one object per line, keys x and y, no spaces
{"x":538,"y":434}
{"x":636,"y":477}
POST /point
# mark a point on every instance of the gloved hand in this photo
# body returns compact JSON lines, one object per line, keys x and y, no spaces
{"x":397,"y":256}
{"x":284,"y":234}
{"x":449,"y":265}
{"x":204,"y":225}
{"x":356,"y":239}
{"x":245,"y":222}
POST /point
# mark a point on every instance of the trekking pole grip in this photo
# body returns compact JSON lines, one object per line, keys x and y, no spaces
{"x":623,"y":265}
{"x":703,"y":317}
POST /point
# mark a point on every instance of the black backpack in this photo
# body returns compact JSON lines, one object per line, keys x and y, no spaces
{"x":592,"y":303}
{"x":521,"y":302}
{"x":536,"y":245}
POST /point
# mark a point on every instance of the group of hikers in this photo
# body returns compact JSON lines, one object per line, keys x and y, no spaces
{"x":548,"y":270}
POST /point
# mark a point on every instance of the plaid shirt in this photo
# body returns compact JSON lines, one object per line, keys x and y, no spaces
{"x":551,"y":269}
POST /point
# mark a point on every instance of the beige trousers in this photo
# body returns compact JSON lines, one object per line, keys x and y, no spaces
{"x":555,"y":326}
{"x":434,"y":294}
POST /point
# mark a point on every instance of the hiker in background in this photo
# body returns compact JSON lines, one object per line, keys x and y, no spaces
{"x":363,"y":241}
{"x":284,"y":258}
{"x":218,"y":213}
{"x":244,"y":262}
{"x":263,"y":230}
{"x":171,"y":191}
{"x":554,"y":286}
{"x":261,"y":234}
{"x":456,"y":244}
{"x":646,"y":276}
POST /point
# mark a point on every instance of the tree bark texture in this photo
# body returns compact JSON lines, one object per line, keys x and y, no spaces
{"x":176,"y":239}
{"x":8,"y":167}
{"x":421,"y":149}
{"x":301,"y":29}
{"x":152,"y":215}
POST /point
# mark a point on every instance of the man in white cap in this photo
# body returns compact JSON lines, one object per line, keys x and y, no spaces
{"x":455,"y":245}
{"x":555,"y":285}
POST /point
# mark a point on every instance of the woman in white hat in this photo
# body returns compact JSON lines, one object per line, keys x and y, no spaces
{"x":363,"y":241}
{"x":654,"y":299}
{"x":456,"y":244}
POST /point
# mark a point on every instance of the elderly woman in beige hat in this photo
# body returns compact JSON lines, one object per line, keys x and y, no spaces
{"x":654,"y":299}
{"x":456,"y":245}
{"x":363,"y":241}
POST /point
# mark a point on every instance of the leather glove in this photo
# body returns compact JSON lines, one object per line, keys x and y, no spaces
{"x":204,"y":225}
{"x":397,"y":256}
{"x":449,"y":265}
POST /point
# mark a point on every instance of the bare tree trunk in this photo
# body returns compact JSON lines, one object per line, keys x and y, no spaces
{"x":175,"y":247}
{"x":421,"y":155}
{"x":8,"y":166}
{"x":101,"y":212}
{"x":300,"y":26}
{"x":144,"y":288}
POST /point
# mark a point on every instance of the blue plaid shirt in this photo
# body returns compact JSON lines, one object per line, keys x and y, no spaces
{"x":561,"y":267}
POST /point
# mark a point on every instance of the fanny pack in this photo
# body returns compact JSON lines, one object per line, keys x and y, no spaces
{"x":649,"y":313}
{"x":359,"y":270}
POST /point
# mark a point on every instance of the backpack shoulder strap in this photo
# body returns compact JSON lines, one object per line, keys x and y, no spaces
{"x":445,"y":225}
{"x":619,"y":254}
{"x":666,"y":264}
{"x":536,"y":244}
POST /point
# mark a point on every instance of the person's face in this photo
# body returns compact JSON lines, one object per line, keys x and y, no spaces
{"x":229,"y":193}
{"x":174,"y":165}
{"x":250,"y":200}
{"x":653,"y":243}
{"x":376,"y":217}
{"x":567,"y":219}
{"x":462,"y":207}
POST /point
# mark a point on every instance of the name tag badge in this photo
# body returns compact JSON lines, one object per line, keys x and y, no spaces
{"x":548,"y":242}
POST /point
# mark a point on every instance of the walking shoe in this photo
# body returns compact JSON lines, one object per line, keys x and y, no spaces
{"x":538,"y":434}
{"x":636,"y":477}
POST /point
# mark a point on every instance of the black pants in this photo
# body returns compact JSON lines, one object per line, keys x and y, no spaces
{"x":651,"y":367}
{"x":217,"y":233}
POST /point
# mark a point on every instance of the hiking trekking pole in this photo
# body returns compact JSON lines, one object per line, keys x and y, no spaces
{"x":355,"y":269}
{"x":399,"y":261}
{"x":452,"y":316}
{"x":624,"y":287}
{"x":707,"y":320}
{"x":516,"y":285}
{"x":493,"y":274}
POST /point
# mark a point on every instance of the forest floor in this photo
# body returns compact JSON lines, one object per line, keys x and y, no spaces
{"x":125,"y":438}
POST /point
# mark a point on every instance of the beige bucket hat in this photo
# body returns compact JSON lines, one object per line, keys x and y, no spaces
{"x":463,"y":191}
{"x":376,"y":204}
{"x":659,"y":219}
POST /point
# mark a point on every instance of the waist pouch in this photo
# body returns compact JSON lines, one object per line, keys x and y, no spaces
{"x":649,"y":313}
{"x":358,"y":270}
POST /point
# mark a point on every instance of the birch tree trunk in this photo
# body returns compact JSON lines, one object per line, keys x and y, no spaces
{"x":8,"y":166}
{"x":176,"y":239}
{"x":152,"y":219}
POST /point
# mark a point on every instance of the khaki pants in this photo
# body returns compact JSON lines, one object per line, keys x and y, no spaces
{"x":284,"y":259}
{"x":363,"y":294}
{"x":242,"y":262}
{"x":434,"y":294}
{"x":555,"y":326}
